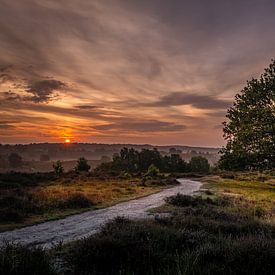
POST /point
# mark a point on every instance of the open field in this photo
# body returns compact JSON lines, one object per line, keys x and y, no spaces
{"x":219,"y":230}
{"x":77,"y":227}
{"x":30,"y":203}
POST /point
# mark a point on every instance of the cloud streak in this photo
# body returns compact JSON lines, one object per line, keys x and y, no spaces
{"x":198,"y":101}
{"x":105,"y":70}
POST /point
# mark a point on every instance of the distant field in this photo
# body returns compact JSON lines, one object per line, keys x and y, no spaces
{"x":22,"y":205}
{"x":47,"y":166}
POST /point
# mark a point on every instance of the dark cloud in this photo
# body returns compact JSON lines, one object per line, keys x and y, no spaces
{"x":11,"y":96}
{"x":85,"y":107}
{"x":43,"y":90}
{"x":142,"y":126}
{"x":198,"y":101}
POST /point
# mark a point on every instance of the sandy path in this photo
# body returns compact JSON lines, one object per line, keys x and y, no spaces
{"x":82,"y":225}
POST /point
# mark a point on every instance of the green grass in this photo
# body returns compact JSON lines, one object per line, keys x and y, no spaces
{"x":251,"y":194}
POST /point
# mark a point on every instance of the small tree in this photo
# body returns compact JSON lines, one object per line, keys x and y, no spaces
{"x":152,"y":171}
{"x":58,"y":168}
{"x":15,"y":160}
{"x":199,"y":164}
{"x":82,"y":165}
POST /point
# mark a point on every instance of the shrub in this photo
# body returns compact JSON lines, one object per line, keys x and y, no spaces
{"x":78,"y":200}
{"x":131,"y":248}
{"x":19,"y":260}
{"x":152,"y":171}
{"x":58,"y":168}
{"x":199,"y":164}
{"x":259,"y":212}
{"x":82,"y":165}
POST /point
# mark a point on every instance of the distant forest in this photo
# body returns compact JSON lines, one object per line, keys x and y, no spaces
{"x":39,"y":156}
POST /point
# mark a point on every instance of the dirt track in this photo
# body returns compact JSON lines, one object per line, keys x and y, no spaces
{"x":82,"y":225}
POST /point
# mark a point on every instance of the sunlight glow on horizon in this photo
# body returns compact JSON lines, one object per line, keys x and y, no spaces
{"x":67,"y":140}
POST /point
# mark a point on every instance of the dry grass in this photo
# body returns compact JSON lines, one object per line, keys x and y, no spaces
{"x":67,"y":196}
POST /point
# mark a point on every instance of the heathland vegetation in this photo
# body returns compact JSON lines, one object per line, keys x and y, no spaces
{"x":28,"y":198}
{"x":226,"y":228}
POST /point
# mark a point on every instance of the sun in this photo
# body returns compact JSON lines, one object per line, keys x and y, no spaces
{"x":67,"y":140}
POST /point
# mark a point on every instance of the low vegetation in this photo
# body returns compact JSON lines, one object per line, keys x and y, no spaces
{"x":30,"y":198}
{"x":215,"y":232}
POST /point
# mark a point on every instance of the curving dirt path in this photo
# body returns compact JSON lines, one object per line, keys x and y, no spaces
{"x":82,"y":225}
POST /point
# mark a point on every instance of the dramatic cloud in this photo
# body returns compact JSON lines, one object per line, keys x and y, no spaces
{"x":153,"y":71}
{"x":43,"y":91}
{"x":198,"y":101}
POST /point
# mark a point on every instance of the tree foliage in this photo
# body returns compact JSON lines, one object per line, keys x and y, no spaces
{"x":58,"y":168}
{"x":250,"y":130}
{"x":199,"y":164}
{"x":133,"y":161}
{"x":82,"y":165}
{"x":152,"y":171}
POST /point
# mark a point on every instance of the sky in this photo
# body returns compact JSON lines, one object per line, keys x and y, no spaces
{"x":128,"y":71}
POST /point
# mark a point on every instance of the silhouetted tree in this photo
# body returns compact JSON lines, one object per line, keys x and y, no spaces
{"x":174,"y":163}
{"x":199,"y":164}
{"x":250,"y":130}
{"x":15,"y":160}
{"x":127,"y":160}
{"x":58,"y":168}
{"x":82,"y":165}
{"x":147,"y":157}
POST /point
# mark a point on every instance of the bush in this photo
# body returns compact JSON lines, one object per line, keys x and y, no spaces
{"x":82,"y":165}
{"x":185,"y":200}
{"x":58,"y":168}
{"x":152,"y":171}
{"x":259,"y":212}
{"x":19,"y":260}
{"x":77,"y":200}
{"x":163,"y":248}
{"x":199,"y":164}
{"x":16,"y":205}
{"x":155,"y":249}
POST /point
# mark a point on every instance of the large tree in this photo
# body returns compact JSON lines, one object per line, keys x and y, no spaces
{"x":250,"y":129}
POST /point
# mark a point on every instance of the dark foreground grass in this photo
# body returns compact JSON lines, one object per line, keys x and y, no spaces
{"x":19,"y":260}
{"x":205,"y":234}
{"x":200,"y":239}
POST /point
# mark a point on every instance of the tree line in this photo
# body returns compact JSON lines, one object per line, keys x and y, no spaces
{"x":134,"y":161}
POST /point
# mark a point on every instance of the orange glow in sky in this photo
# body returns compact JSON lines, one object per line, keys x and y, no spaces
{"x":67,"y":140}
